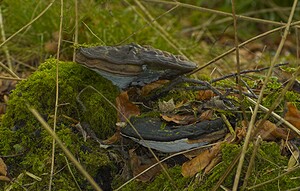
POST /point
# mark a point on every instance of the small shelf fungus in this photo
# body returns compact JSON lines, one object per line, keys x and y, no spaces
{"x":132,"y":64}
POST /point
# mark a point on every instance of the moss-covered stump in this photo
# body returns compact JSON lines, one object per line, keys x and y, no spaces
{"x":29,"y":145}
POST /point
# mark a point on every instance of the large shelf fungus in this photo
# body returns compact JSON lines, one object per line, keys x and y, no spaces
{"x":132,"y":64}
{"x":153,"y":133}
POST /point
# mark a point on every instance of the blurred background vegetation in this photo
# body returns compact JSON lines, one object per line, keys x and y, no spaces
{"x":199,"y":35}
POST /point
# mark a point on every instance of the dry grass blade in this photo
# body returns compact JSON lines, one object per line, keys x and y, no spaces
{"x":253,"y":117}
{"x":76,"y":29}
{"x":56,"y":93}
{"x":3,"y":39}
{"x":65,"y":150}
{"x":292,"y":127}
{"x":238,"y":65}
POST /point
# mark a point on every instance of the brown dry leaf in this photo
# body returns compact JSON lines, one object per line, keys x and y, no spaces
{"x":3,"y":168}
{"x":179,"y":119}
{"x":270,"y":131}
{"x":138,"y":167}
{"x":206,"y":115}
{"x":293,"y":115}
{"x":154,"y":85}
{"x":205,"y":95}
{"x":126,"y":107}
{"x":200,"y":162}
{"x":113,"y":139}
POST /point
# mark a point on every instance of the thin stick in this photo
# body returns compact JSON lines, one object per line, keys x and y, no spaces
{"x":9,"y":70}
{"x":202,"y":9}
{"x":3,"y":39}
{"x":240,"y":45}
{"x":275,"y":115}
{"x":57,"y":91}
{"x":238,"y":65}
{"x":93,"y":33}
{"x":245,"y":72}
{"x":65,"y":150}
{"x":11,"y":78}
{"x":30,"y":22}
{"x":253,"y":117}
{"x":76,"y":29}
{"x":71,"y":172}
{"x":148,"y":22}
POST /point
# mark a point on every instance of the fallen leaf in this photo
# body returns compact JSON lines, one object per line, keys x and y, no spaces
{"x":3,"y":168}
{"x":270,"y":132}
{"x":126,"y":108}
{"x":166,"y":106}
{"x":190,"y":168}
{"x":293,"y":115}
{"x":113,"y":139}
{"x":179,"y":119}
{"x":206,"y":115}
{"x":154,"y":85}
{"x":205,"y":95}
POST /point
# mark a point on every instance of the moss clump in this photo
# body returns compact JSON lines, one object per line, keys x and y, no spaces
{"x":22,"y":134}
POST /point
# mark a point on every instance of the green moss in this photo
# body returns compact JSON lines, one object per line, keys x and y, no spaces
{"x":32,"y":142}
{"x":269,"y":163}
{"x":161,"y":182}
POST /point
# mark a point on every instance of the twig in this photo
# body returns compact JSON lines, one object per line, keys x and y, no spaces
{"x":292,"y":127}
{"x":11,"y":78}
{"x":238,"y":65}
{"x":253,"y":117}
{"x":240,"y":45}
{"x":8,"y":70}
{"x":245,"y":72}
{"x":65,"y":150}
{"x":148,"y":22}
{"x":156,"y":26}
{"x":202,"y":9}
{"x":70,"y":170}
{"x":93,"y":33}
